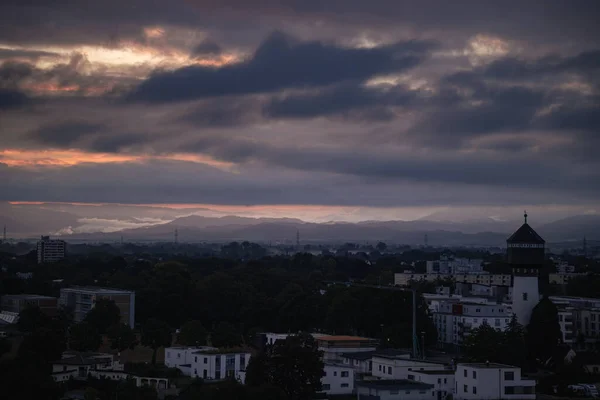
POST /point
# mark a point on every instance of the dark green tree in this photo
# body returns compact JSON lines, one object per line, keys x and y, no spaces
{"x":483,"y":344}
{"x":104,"y":315}
{"x":225,"y":335}
{"x":513,"y":347}
{"x":121,"y":337}
{"x":32,"y":319}
{"x":293,"y":365}
{"x":155,"y":334}
{"x":381,"y":247}
{"x":5,"y":346}
{"x":543,"y":332}
{"x":192,"y":333}
{"x":84,"y":337}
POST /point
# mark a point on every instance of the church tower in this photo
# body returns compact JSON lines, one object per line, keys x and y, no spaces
{"x":526,"y":253}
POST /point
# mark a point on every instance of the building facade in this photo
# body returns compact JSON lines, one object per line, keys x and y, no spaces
{"x":400,"y":367}
{"x":338,"y":379}
{"x":208,"y":362}
{"x":487,"y":381}
{"x":333,"y":346}
{"x":394,"y":389}
{"x":50,"y":250}
{"x":442,"y":381}
{"x":454,"y":321}
{"x":83,"y":298}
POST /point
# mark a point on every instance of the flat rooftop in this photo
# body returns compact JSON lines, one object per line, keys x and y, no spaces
{"x":486,"y":365}
{"x":365,"y":355}
{"x":94,"y":289}
{"x":393,"y":384}
{"x":343,"y":338}
{"x":28,"y":297}
{"x":435,"y":372}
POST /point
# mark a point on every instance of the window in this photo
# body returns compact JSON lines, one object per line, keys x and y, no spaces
{"x":389,"y":370}
{"x":475,"y":320}
{"x":334,"y":373}
{"x":501,"y":310}
{"x":560,"y":318}
{"x":411,"y":377}
{"x":465,"y":373}
{"x":439,"y":380}
{"x":478,"y":310}
{"x":379,"y":367}
{"x":474,"y":374}
{"x":195,"y":371}
{"x":205,"y":360}
{"x":497,"y":322}
{"x":324,"y":373}
{"x":525,"y":296}
{"x":466,"y":388}
{"x":445,"y":380}
{"x":178,"y":355}
{"x":528,"y":390}
{"x":344,"y":385}
{"x":217,"y":374}
{"x":509,"y":390}
{"x":509,"y":376}
{"x":474,"y":390}
{"x":326,"y":386}
{"x":195,"y":359}
{"x":345,"y":374}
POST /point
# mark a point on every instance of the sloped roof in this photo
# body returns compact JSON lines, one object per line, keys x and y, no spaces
{"x":525,"y":234}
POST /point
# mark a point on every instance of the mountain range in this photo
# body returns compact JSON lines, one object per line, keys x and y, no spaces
{"x":440,"y":228}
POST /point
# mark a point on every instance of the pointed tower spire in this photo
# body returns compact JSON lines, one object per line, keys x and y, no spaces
{"x":525,"y":215}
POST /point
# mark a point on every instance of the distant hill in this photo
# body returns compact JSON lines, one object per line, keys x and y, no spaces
{"x":572,"y":229}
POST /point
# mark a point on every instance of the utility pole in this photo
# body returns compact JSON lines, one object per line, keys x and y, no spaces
{"x":4,"y":234}
{"x":298,"y":239}
{"x":426,"y":241}
{"x":584,"y":243}
{"x":176,"y":234}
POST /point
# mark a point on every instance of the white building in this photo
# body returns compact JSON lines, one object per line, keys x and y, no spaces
{"x":400,"y":367}
{"x":208,"y":362}
{"x":450,"y":266}
{"x":395,"y":389}
{"x":454,"y":320}
{"x":483,"y":381}
{"x":579,"y":317}
{"x":362,"y":362}
{"x":338,"y":379}
{"x":79,"y":366}
{"x":50,"y":250}
{"x":442,"y":381}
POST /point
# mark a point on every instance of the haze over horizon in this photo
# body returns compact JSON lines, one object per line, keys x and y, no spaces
{"x":124,"y":114}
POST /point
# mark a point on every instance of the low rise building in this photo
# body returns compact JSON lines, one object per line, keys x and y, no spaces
{"x":338,"y":379}
{"x":15,"y":303}
{"x":79,"y":366}
{"x":563,"y":278}
{"x":442,"y":381}
{"x":579,"y":319}
{"x":400,"y":367}
{"x":449,"y":266}
{"x":394,"y":389}
{"x":81,"y":299}
{"x":404,"y":278}
{"x":209,"y":362}
{"x":333,"y":346}
{"x":362,"y":362}
{"x":487,"y":381}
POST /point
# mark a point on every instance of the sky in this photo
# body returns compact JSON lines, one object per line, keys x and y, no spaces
{"x":339,"y":109}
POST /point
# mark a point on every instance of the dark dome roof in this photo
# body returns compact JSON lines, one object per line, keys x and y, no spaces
{"x":525,"y":234}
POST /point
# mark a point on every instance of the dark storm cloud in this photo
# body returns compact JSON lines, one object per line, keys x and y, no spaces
{"x":29,"y":54}
{"x":113,"y":143}
{"x":340,"y":100}
{"x":10,"y":99}
{"x":64,"y":134}
{"x":222,"y":112}
{"x":281,"y":62}
{"x":206,"y":47}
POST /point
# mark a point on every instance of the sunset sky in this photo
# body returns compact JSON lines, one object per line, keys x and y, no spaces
{"x":339,"y":109}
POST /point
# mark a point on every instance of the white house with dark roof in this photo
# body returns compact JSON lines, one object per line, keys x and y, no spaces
{"x":362,"y":362}
{"x":395,"y":389}
{"x":482,"y":381}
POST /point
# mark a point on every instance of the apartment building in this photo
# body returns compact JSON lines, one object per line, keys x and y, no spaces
{"x":404,"y":278}
{"x":400,"y":367}
{"x":81,"y":299}
{"x":454,"y":320}
{"x":362,"y":362}
{"x":563,"y":278}
{"x":15,"y":303}
{"x":579,"y":318}
{"x":449,"y":266}
{"x":50,"y":250}
{"x":394,"y":389}
{"x":483,"y":381}
{"x":209,"y":362}
{"x":442,"y":381}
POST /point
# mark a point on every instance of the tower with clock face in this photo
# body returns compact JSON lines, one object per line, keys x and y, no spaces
{"x":526,"y":252}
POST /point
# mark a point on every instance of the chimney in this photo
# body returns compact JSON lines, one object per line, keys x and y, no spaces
{"x":487,"y":363}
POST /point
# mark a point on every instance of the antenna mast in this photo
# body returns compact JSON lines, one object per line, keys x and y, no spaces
{"x":176,"y":234}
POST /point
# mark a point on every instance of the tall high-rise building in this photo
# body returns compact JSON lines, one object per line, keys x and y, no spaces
{"x":50,"y":250}
{"x":526,"y":252}
{"x":81,"y":299}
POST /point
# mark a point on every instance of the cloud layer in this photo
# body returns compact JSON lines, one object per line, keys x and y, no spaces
{"x":344,"y":103}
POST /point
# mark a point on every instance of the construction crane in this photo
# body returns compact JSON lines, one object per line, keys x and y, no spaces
{"x":417,"y":351}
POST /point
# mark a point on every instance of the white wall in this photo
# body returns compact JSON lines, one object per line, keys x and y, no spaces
{"x":398,"y":368}
{"x":490,"y":383}
{"x":522,"y":307}
{"x":443,"y":383}
{"x":412,"y":394}
{"x":338,"y":380}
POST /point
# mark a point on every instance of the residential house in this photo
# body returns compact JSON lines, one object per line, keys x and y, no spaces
{"x":487,"y":381}
{"x":395,"y":389}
